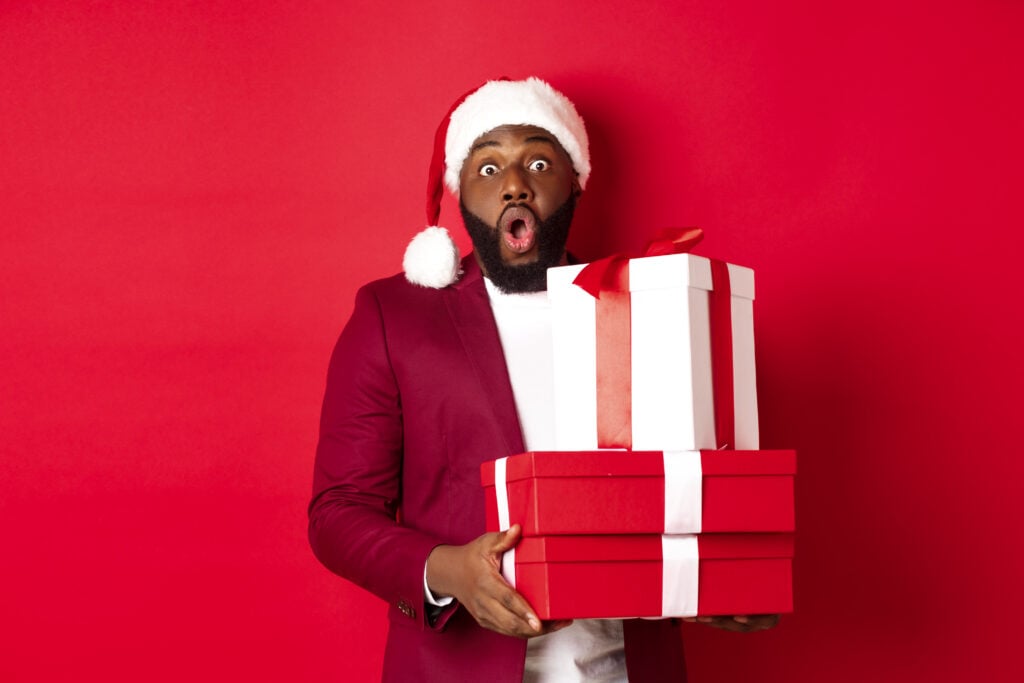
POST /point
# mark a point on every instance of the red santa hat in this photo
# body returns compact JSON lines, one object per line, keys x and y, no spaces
{"x":432,"y":259}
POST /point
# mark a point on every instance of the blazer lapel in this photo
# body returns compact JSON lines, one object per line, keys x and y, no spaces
{"x":471,"y":313}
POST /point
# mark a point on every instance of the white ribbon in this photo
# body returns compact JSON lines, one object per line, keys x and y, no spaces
{"x":508,"y":558}
{"x":683,"y":492}
{"x":680,"y":575}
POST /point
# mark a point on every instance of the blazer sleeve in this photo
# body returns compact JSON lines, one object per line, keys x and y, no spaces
{"x":353,"y":527}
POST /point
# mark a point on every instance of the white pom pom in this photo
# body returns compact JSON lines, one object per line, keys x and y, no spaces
{"x":432,"y":259}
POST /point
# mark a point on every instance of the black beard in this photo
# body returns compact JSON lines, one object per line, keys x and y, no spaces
{"x":552,"y":235}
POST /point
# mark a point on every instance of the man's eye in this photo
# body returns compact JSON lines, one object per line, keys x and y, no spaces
{"x":488,"y":169}
{"x":539,"y":165}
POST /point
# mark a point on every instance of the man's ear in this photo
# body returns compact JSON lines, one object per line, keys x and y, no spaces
{"x":576,"y":189}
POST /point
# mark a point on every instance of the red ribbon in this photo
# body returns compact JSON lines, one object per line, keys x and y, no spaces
{"x":611,"y":274}
{"x":607,"y":280}
{"x":720,"y":314}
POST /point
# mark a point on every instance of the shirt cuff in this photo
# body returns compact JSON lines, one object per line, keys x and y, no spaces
{"x":429,"y":597}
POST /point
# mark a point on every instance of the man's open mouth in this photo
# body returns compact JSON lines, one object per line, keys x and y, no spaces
{"x":518,"y":226}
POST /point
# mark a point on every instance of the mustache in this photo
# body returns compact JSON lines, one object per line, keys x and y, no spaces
{"x":516,"y":205}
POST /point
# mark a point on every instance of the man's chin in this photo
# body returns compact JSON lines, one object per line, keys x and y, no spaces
{"x":518,"y":279}
{"x":514,"y":260}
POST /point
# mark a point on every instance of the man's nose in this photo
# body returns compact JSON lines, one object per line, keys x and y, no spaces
{"x":516,"y":187}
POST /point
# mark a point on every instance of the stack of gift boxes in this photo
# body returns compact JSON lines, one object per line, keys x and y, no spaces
{"x":657,"y":502}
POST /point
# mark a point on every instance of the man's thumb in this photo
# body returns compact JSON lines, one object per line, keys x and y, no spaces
{"x":507,"y":539}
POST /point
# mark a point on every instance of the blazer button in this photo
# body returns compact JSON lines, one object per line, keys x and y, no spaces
{"x":406,"y":609}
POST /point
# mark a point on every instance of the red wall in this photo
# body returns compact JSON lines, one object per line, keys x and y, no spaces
{"x":189,"y":197}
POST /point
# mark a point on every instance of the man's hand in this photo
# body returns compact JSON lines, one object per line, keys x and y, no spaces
{"x":739,"y":623}
{"x":471,"y":573}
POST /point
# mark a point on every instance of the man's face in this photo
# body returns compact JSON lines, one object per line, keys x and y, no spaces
{"x":517,"y":193}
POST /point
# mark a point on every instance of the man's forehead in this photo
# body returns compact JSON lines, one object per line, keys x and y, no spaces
{"x":502,"y":135}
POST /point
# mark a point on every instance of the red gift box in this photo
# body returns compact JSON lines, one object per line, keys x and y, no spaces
{"x":617,"y":492}
{"x":579,"y":577}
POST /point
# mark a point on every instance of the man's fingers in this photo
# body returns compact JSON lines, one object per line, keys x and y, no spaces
{"x":507,"y":539}
{"x":763,"y":620}
{"x":742,"y":622}
{"x":509,"y":614}
{"x":756,"y":622}
{"x":517,"y":605}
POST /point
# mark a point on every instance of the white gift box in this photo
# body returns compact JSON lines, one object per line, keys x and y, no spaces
{"x":672,"y":394}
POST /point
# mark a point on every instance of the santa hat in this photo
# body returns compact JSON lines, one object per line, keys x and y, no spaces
{"x":432,"y":259}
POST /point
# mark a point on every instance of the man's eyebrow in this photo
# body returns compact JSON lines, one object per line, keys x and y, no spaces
{"x":485,"y":143}
{"x":494,"y":143}
{"x":541,"y":138}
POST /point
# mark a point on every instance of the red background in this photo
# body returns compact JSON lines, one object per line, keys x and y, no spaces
{"x":191,"y":192}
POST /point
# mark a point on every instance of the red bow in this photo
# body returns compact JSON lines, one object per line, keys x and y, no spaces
{"x":611,"y":274}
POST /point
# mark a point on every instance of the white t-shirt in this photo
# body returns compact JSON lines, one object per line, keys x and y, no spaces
{"x":590,"y":649}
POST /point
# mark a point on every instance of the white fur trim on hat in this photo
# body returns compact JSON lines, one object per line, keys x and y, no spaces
{"x":525,"y":103}
{"x":432,"y":259}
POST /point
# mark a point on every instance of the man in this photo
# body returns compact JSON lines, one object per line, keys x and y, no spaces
{"x":435,"y":374}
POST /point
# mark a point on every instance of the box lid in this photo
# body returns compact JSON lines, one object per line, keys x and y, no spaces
{"x":647,"y":547}
{"x":758,"y":462}
{"x":669,"y":270}
{"x":619,"y":463}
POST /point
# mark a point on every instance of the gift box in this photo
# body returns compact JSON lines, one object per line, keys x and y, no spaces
{"x":578,"y":577}
{"x":641,"y":492}
{"x":653,"y":353}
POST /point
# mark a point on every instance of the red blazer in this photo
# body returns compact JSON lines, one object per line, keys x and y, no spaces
{"x":418,"y":396}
